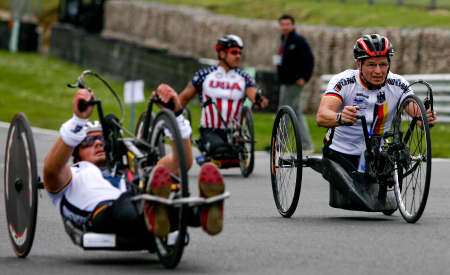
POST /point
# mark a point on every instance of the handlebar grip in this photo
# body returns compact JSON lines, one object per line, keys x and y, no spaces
{"x":169,"y":105}
{"x":83,"y":104}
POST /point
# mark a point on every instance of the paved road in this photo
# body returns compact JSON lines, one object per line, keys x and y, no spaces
{"x":256,"y":240}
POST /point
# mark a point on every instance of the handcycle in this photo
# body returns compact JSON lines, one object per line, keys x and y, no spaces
{"x":130,"y":158}
{"x":397,"y":164}
{"x":237,"y":147}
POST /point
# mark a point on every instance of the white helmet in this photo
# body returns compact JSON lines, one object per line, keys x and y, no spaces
{"x":93,"y":126}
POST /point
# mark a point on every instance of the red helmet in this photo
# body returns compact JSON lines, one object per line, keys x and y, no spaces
{"x":372,"y":45}
{"x":229,"y":41}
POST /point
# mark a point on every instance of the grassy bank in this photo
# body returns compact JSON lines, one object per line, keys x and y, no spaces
{"x":37,"y":86}
{"x":348,"y":13}
{"x":352,"y":13}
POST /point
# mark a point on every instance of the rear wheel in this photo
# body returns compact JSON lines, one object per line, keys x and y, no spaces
{"x":247,"y":152}
{"x":286,"y":161}
{"x":21,"y":185}
{"x":165,"y":138}
{"x":412,"y":172}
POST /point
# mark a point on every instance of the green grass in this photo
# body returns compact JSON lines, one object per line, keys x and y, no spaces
{"x":44,"y":5}
{"x":353,"y":13}
{"x":37,"y":86}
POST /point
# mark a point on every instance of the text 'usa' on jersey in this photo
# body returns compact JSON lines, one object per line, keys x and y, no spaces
{"x":377,"y":106}
{"x":226,"y":90}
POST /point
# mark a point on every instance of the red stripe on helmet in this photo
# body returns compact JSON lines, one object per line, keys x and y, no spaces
{"x":366,"y":49}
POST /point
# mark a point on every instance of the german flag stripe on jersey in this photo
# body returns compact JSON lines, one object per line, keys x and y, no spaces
{"x":380,"y":116}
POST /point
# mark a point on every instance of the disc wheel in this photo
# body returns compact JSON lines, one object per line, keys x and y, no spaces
{"x":164,"y":126}
{"x":413,"y":158}
{"x":286,"y":161}
{"x":247,"y":152}
{"x":20,"y":185}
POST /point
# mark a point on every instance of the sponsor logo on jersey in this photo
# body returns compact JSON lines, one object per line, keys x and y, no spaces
{"x":343,"y":82}
{"x":398,"y":83}
{"x":224,"y":85}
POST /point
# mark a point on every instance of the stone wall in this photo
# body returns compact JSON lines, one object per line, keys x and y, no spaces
{"x":127,"y":61}
{"x":193,"y":32}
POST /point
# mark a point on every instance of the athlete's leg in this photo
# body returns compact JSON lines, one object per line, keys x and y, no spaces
{"x":171,"y":160}
{"x":120,"y":216}
{"x":347,"y":189}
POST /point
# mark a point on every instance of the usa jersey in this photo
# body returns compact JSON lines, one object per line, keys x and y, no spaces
{"x":378,"y":107}
{"x":226,"y":89}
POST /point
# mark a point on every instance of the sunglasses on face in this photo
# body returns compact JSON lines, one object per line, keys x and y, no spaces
{"x":90,"y":140}
{"x":235,"y":52}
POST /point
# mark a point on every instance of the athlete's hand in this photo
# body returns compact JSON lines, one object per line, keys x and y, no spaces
{"x":432,"y":117}
{"x":167,"y":94}
{"x":262,"y":103}
{"x":348,"y":115}
{"x":82,"y":94}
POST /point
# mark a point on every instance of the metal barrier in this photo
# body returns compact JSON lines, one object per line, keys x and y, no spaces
{"x":440,"y":83}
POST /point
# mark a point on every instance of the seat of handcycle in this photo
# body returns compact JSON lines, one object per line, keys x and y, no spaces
{"x":223,"y":154}
{"x":354,"y":192}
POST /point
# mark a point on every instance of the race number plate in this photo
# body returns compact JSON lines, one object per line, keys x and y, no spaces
{"x":20,"y":185}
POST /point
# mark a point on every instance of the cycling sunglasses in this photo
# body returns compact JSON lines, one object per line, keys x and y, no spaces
{"x":90,"y":140}
{"x":235,"y":52}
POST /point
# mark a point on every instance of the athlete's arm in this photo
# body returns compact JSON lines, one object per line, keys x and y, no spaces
{"x":328,"y":111}
{"x":251,"y":93}
{"x":57,"y":173}
{"x":413,"y":110}
{"x":187,"y":94}
{"x":167,"y":94}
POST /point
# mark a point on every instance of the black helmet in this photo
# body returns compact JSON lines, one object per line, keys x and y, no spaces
{"x":372,"y":45}
{"x":229,"y":41}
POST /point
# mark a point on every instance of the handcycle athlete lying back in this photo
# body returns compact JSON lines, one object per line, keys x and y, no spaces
{"x":94,"y":201}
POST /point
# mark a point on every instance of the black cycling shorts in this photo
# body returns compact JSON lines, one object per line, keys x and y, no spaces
{"x":120,"y":216}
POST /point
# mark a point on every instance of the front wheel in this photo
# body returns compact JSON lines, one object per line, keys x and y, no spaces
{"x":412,"y":163}
{"x":286,"y":161}
{"x":165,"y":138}
{"x":247,"y":152}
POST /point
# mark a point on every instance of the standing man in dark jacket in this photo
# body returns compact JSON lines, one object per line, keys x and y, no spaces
{"x":295,"y":63}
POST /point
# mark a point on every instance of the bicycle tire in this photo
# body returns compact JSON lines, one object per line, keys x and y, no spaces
{"x":286,"y":156}
{"x":411,"y":159}
{"x":247,"y":154}
{"x":20,"y":179}
{"x":170,"y":249}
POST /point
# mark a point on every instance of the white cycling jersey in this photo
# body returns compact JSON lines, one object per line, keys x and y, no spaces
{"x":87,"y":188}
{"x":378,"y":107}
{"x":226,"y":89}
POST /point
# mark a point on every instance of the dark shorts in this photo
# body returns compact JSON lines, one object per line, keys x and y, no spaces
{"x":120,"y":216}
